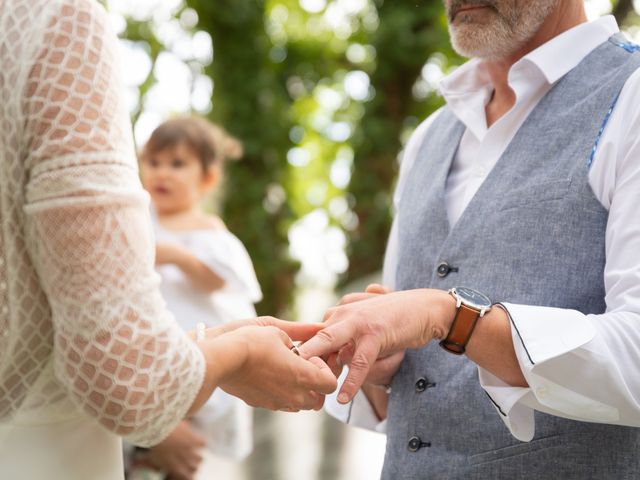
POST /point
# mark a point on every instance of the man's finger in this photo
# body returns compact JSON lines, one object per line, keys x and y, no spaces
{"x":384,"y":369}
{"x":365,"y":355}
{"x":355,"y":297}
{"x":334,"y":363}
{"x":377,"y":289}
{"x":328,"y":313}
{"x":328,"y":340}
{"x":346,"y":353}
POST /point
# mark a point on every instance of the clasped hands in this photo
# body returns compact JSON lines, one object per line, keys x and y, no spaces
{"x":369,"y":331}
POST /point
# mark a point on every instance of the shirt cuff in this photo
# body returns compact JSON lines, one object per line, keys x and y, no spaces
{"x":543,"y":337}
{"x":358,"y":412}
{"x":506,"y":399}
{"x":542,"y":333}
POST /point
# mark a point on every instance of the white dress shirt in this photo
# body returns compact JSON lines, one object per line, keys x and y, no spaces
{"x":586,"y":366}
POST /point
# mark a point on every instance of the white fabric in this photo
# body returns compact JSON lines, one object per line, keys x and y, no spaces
{"x":359,"y":412}
{"x":85,"y":339}
{"x":225,"y":255}
{"x":224,"y":420}
{"x":585,"y":366}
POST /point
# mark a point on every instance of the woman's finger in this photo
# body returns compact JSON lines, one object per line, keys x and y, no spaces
{"x":317,"y":376}
{"x":213,"y":332}
{"x":297,"y":331}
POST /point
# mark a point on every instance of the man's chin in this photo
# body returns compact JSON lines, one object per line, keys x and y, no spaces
{"x":475,"y":43}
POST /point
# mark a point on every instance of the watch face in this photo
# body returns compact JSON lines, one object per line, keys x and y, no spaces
{"x":472,"y":298}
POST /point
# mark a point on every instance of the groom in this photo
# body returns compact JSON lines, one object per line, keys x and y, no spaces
{"x":522,"y":190}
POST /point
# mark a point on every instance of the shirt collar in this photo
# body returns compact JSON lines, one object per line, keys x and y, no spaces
{"x":575,"y":44}
{"x":472,"y":80}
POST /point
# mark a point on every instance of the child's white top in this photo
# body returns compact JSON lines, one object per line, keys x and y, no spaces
{"x":224,"y":420}
{"x":222,"y":252}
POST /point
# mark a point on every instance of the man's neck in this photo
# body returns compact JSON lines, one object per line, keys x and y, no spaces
{"x":567,"y":15}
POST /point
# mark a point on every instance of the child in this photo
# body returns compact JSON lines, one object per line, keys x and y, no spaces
{"x":207,"y":276}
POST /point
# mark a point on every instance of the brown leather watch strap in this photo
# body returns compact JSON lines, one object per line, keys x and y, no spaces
{"x":461,"y":330}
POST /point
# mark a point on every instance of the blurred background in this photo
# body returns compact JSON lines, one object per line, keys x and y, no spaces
{"x":323,"y":94}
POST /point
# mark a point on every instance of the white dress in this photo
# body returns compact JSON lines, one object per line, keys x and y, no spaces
{"x":88,"y":351}
{"x":225,"y":421}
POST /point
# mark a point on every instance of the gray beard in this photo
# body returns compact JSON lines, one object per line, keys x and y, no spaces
{"x":504,"y":35}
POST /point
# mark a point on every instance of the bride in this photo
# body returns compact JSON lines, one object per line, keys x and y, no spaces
{"x":88,"y":352}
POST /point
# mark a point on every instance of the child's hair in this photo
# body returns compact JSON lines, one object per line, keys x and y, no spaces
{"x":211,"y":143}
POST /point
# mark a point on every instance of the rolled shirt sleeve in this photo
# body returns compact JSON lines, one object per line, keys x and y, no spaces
{"x":572,"y":367}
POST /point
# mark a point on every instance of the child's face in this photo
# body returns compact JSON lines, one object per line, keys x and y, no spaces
{"x":175,"y":179}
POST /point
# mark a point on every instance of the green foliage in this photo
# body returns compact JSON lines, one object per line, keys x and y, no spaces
{"x":280,"y":78}
{"x":250,"y":100}
{"x":408,"y":35}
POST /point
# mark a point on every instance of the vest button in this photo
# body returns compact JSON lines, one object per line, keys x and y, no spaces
{"x":443,"y":269}
{"x":415,"y":444}
{"x":422,"y":384}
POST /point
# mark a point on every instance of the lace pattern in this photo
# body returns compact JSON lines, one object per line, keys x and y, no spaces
{"x":82,"y":324}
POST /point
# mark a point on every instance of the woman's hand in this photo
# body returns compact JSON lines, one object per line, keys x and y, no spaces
{"x":274,"y":377}
{"x":252,"y":360}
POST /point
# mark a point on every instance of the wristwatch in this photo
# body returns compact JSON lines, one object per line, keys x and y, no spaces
{"x":471,"y":305}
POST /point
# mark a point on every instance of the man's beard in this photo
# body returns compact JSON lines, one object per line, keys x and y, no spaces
{"x":501,"y":30}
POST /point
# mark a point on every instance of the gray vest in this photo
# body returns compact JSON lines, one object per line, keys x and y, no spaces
{"x":533,"y":234}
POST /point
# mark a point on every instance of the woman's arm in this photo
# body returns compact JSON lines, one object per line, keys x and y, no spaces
{"x":117,"y":350}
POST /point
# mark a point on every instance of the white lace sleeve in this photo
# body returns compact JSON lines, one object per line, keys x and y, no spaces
{"x":117,"y":350}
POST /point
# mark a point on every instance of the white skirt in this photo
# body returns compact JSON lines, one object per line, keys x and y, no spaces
{"x":77,"y":449}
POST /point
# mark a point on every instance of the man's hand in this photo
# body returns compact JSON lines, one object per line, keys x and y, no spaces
{"x":179,"y":454}
{"x":337,"y":360}
{"x":379,"y":326}
{"x":383,"y":370}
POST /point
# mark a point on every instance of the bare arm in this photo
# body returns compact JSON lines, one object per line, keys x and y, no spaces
{"x":386,"y":324}
{"x":198,"y":273}
{"x":491,"y":347}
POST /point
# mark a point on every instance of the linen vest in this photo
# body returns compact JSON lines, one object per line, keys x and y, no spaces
{"x":533,"y":234}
